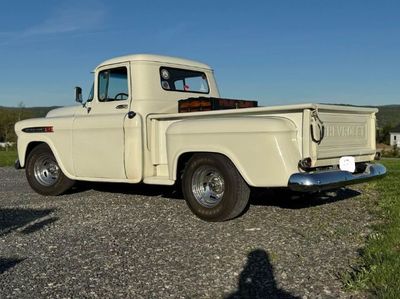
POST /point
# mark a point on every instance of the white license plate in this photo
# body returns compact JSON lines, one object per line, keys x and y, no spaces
{"x":347,"y":163}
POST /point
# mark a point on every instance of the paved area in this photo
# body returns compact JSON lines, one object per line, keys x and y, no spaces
{"x":135,"y":241}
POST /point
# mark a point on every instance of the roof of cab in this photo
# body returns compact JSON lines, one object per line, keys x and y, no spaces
{"x":156,"y":58}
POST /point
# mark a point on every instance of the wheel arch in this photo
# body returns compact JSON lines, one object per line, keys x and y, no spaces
{"x":184,"y":156}
{"x":26,"y":150}
{"x":29,"y":149}
{"x":181,"y":163}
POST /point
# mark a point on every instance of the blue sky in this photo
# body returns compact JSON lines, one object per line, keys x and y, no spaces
{"x":277,"y":52}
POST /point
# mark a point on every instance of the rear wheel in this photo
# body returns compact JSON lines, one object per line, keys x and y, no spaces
{"x":213,"y":188}
{"x":43,"y":173}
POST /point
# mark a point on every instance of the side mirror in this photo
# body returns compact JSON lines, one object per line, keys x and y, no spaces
{"x":78,"y":94}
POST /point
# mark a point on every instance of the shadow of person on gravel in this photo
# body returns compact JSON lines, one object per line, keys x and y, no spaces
{"x":291,"y":200}
{"x":257,"y":279}
{"x":15,"y":218}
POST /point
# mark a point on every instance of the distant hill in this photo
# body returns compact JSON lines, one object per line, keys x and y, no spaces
{"x":31,"y":111}
{"x":388,"y":115}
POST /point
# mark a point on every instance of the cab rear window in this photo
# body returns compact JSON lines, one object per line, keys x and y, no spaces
{"x":173,"y":79}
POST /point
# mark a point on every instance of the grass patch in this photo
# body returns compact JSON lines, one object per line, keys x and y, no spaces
{"x":7,"y":158}
{"x":379,"y":269}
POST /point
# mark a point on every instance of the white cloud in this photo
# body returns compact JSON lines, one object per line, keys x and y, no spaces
{"x":64,"y":19}
{"x":69,"y":19}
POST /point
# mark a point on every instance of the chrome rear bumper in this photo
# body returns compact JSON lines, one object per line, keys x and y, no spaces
{"x":325,"y":180}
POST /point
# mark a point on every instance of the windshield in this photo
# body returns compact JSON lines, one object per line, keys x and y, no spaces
{"x":90,"y":97}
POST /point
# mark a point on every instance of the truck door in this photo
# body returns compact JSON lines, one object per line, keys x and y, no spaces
{"x":98,"y":129}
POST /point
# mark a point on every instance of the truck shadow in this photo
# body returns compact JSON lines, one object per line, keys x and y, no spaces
{"x":30,"y":220}
{"x":257,"y":279}
{"x":279,"y":197}
{"x":292,"y":200}
{"x":170,"y":192}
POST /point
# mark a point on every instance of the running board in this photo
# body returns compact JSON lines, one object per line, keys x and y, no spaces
{"x":158,"y":180}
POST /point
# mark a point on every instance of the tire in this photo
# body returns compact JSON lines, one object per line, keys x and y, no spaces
{"x":213,"y":188}
{"x":43,"y":173}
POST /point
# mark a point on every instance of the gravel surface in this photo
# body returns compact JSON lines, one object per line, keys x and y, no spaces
{"x":136,"y":241}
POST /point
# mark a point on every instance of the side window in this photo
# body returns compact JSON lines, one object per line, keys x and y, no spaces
{"x":173,"y":79}
{"x":113,"y":85}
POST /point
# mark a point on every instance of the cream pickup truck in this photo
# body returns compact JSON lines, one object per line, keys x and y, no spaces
{"x":129,"y":130}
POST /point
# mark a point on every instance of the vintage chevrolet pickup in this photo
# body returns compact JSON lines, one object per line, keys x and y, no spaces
{"x":129,"y":130}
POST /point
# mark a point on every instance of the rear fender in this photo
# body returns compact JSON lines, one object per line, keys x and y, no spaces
{"x":263,"y":149}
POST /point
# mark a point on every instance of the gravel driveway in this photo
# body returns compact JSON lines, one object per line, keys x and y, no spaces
{"x":136,"y":241}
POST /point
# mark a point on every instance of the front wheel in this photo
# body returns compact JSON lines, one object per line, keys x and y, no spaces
{"x":43,"y":173}
{"x":213,"y":188}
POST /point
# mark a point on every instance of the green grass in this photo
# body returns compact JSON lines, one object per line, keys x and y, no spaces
{"x":379,"y":269}
{"x":7,"y":158}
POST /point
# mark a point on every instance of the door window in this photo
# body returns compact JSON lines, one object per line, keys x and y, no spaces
{"x":113,"y":85}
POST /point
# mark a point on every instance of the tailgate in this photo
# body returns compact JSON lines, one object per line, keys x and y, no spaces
{"x":348,"y":131}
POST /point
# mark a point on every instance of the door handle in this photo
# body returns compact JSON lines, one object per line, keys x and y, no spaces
{"x":122,"y":106}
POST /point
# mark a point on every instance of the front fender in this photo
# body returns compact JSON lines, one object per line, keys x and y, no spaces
{"x":263,"y":149}
{"x":59,"y":141}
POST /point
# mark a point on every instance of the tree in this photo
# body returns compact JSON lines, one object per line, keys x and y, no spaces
{"x":8,"y":118}
{"x":384,"y":134}
{"x":22,"y":112}
{"x":7,"y":121}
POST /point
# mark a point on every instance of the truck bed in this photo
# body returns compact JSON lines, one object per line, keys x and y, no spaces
{"x":348,"y":130}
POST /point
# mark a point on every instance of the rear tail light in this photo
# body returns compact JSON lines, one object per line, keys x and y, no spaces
{"x":305,"y":164}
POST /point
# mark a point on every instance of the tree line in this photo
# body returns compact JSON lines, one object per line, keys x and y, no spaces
{"x":383,"y":134}
{"x":8,"y":118}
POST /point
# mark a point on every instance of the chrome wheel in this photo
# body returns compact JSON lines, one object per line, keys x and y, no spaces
{"x":46,"y":171}
{"x":208,"y":186}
